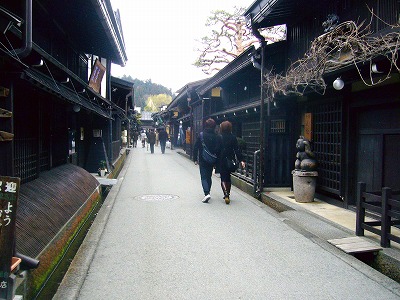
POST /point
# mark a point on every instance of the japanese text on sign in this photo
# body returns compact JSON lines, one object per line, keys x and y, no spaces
{"x":8,"y":193}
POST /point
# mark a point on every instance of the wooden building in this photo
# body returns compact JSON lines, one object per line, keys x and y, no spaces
{"x":63,"y":114}
{"x":183,"y":116}
{"x":234,"y":94}
{"x":355,"y":127}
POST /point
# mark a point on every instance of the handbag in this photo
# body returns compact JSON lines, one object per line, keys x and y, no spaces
{"x":231,"y":164}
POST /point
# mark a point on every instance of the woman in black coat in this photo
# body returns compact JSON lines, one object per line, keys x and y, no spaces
{"x":230,"y":151}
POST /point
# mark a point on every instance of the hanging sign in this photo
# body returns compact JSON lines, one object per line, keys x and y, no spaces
{"x":96,"y":76}
{"x":9,"y":189}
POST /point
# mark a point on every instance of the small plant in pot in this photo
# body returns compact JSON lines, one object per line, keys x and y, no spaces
{"x":102,"y":168}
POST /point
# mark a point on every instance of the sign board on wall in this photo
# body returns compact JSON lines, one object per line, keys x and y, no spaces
{"x":9,"y":189}
{"x":308,"y":126}
{"x":188,"y":135}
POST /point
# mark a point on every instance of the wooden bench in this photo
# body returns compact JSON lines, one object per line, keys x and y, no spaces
{"x":384,"y":206}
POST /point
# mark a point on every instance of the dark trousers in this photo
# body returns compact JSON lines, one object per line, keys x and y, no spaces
{"x":162,"y":144}
{"x":152,"y":148}
{"x":205,"y":175}
{"x":225,"y":176}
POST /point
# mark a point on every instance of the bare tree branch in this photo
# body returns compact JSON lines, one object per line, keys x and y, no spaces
{"x":347,"y":44}
{"x":229,"y":37}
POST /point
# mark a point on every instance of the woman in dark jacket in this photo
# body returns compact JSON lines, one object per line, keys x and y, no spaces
{"x":230,"y":151}
{"x":213,"y":144}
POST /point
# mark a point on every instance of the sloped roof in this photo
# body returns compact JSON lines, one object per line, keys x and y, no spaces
{"x":92,"y":25}
{"x":146,"y":116}
{"x":268,"y":13}
{"x":240,"y":62}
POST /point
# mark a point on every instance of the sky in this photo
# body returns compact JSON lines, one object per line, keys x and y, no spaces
{"x":160,"y":38}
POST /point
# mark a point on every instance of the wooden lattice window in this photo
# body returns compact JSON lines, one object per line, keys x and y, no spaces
{"x":278,"y":126}
{"x":251,"y":135}
{"x":327,"y":139}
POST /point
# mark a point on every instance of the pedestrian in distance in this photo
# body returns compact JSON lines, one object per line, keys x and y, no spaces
{"x":163,"y":136}
{"x":230,"y":155}
{"x":151,"y":139}
{"x":143,"y":137}
{"x":135,"y":138}
{"x":208,"y":142}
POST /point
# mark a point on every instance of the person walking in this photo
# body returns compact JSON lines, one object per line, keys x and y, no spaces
{"x":151,"y":139}
{"x":208,"y":141}
{"x":163,"y":136}
{"x":230,"y":155}
{"x":143,"y":137}
{"x":135,"y":138}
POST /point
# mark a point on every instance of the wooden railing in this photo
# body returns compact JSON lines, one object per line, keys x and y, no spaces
{"x":384,"y":207}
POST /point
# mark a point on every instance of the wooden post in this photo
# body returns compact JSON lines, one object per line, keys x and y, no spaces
{"x":361,"y":187}
{"x":386,"y":219}
{"x":9,"y":189}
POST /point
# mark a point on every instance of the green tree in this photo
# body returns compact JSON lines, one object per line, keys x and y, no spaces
{"x":154,"y":102}
{"x":144,"y":89}
{"x":229,"y":37}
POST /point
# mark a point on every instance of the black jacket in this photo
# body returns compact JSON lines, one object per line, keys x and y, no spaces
{"x":212,"y":142}
{"x":163,"y":136}
{"x":229,"y":150}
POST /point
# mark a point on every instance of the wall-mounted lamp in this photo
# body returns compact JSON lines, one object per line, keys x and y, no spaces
{"x":234,"y":114}
{"x":374,"y":69}
{"x":245,"y":88}
{"x":255,"y":109}
{"x":247,"y":111}
{"x":66,"y":80}
{"x":39,"y":64}
{"x":76,"y":108}
{"x":338,"y":84}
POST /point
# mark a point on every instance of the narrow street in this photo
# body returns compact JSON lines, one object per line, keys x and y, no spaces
{"x":155,"y":239}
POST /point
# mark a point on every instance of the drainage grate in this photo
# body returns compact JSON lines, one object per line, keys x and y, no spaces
{"x":156,"y":198}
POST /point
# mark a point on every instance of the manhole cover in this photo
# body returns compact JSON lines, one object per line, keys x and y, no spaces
{"x":155,"y":198}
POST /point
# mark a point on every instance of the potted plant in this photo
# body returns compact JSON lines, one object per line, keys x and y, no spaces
{"x":102,"y":168}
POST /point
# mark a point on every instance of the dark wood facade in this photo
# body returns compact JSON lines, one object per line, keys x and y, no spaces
{"x":59,"y":127}
{"x":54,"y":109}
{"x":355,"y":131}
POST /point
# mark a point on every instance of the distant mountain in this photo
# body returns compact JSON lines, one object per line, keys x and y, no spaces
{"x":145,"y":89}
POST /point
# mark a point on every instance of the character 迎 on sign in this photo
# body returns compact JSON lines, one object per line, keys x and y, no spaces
{"x":9,"y":190}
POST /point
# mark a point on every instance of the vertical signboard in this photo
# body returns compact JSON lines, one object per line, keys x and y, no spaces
{"x":9,"y":189}
{"x":188,"y":136}
{"x":308,"y":126}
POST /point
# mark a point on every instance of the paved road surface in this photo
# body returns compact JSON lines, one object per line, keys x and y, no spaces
{"x":155,"y":239}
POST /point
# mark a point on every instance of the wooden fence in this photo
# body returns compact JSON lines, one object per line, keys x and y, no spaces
{"x":386,"y":209}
